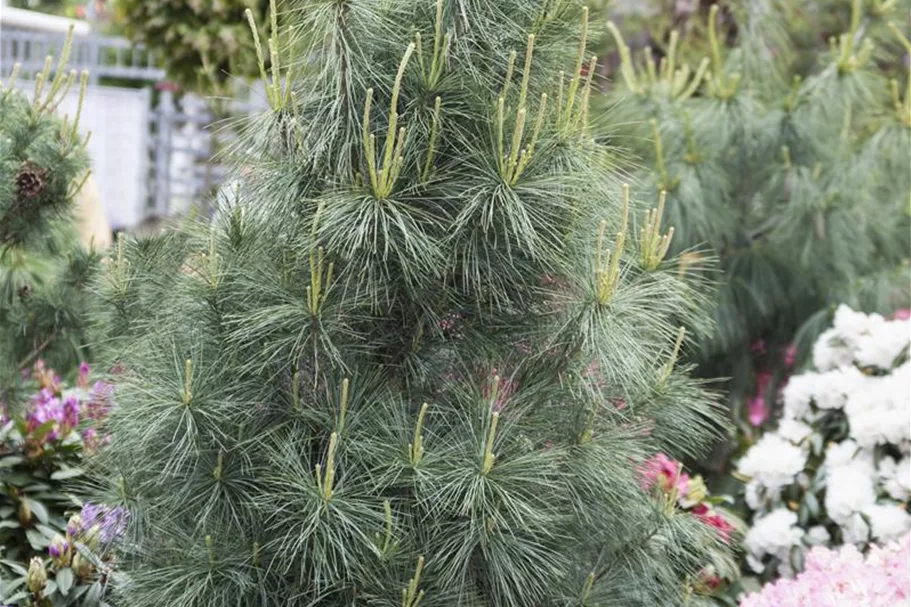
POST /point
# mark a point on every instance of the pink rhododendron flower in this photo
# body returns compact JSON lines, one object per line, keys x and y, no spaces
{"x":757,"y":411}
{"x":843,"y":578}
{"x":713,"y":519}
{"x":664,"y":472}
{"x":902,"y":314}
{"x":82,"y":380}
{"x":790,"y":355}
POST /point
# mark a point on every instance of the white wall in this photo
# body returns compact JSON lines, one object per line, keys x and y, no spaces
{"x":118,"y":120}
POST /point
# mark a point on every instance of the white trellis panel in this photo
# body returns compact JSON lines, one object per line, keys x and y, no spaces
{"x":118,"y":120}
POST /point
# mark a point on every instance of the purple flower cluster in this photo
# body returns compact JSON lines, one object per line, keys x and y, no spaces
{"x":99,"y":402}
{"x":59,"y":549}
{"x":109,"y":522}
{"x":65,"y":412}
{"x":48,"y":407}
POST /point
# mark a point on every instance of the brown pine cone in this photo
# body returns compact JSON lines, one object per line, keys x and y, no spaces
{"x":30,"y":180}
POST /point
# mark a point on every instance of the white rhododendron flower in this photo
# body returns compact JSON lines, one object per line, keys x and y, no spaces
{"x":887,"y":521}
{"x":878,"y":410}
{"x":895,"y":477}
{"x":793,"y":430}
{"x":849,"y":489}
{"x":798,"y":395}
{"x":773,"y":462}
{"x":883,"y":346}
{"x":817,"y":535}
{"x":838,"y":466}
{"x":772,"y":534}
{"x":830,"y":351}
{"x":840,"y":454}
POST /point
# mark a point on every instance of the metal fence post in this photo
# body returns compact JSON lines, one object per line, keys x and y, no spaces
{"x":163,"y":137}
{"x":145,"y":145}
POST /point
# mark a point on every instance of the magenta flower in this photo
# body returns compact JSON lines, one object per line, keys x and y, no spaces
{"x":45,"y":408}
{"x":713,"y":519}
{"x":665,"y":473}
{"x":790,"y":356}
{"x":71,"y":409}
{"x":757,"y":411}
{"x":83,"y":380}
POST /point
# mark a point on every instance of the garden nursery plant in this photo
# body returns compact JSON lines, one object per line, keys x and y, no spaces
{"x":428,"y":350}
{"x":56,"y":547}
{"x":790,"y":167}
{"x":836,"y":470}
{"x":44,"y":270}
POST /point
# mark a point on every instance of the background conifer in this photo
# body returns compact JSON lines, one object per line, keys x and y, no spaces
{"x":785,"y":155}
{"x":44,"y":270}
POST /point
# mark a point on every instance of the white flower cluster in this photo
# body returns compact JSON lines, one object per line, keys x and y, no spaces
{"x":845,"y":432}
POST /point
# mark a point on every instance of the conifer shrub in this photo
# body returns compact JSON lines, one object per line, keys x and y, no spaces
{"x":44,"y":270}
{"x":424,"y":349}
{"x":799,"y":184}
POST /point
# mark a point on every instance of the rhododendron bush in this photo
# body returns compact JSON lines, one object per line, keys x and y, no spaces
{"x":836,"y":470}
{"x":844,"y":578}
{"x":56,"y":548}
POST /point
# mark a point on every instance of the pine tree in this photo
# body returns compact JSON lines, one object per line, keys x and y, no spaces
{"x":420,"y":354}
{"x":798,"y":184}
{"x":44,"y":271}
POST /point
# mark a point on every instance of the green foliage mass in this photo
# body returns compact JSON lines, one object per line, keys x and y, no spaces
{"x":44,"y":271}
{"x":203,"y":43}
{"x":800,"y":185}
{"x":797,"y":28}
{"x":41,"y":468}
{"x":409,"y":360}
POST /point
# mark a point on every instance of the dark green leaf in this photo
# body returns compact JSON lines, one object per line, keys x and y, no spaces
{"x":37,"y":508}
{"x":93,"y":596}
{"x":47,"y":532}
{"x":37,"y":539}
{"x":11,"y":460}
{"x":67,"y":473}
{"x":64,"y":580}
{"x":43,"y":430}
{"x":17,"y":567}
{"x":797,"y":558}
{"x":812,"y":504}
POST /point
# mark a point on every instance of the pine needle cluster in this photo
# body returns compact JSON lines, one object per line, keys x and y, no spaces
{"x":800,"y":185}
{"x":423,"y":347}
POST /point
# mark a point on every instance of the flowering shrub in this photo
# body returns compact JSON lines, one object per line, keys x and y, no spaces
{"x":835,"y":578}
{"x":836,"y":470}
{"x":665,"y":478}
{"x":53,"y":560}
